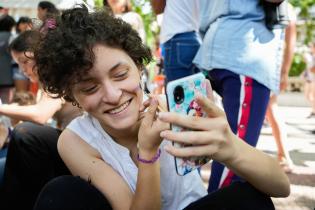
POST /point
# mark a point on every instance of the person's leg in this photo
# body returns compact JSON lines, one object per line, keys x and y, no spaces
{"x":70,"y":193}
{"x":312,"y":92}
{"x":32,"y":161}
{"x":245,"y":102}
{"x":179,"y":54}
{"x":6,"y":94}
{"x":3,"y":154}
{"x":279,"y":133}
{"x":239,"y":195}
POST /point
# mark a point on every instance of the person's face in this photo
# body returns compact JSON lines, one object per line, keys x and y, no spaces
{"x":41,"y":13}
{"x":26,"y":64}
{"x":117,"y":5}
{"x":110,"y":91}
{"x":24,"y":26}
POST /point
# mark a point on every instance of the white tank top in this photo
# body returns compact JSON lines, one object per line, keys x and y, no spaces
{"x":177,"y":191}
{"x":179,"y":16}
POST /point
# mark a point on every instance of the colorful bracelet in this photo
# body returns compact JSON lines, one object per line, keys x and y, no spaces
{"x":158,"y":154}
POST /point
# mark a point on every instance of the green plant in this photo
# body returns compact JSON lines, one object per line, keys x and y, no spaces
{"x":298,"y":65}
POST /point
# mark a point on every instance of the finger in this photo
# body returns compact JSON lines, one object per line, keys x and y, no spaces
{"x":161,"y":126}
{"x":209,"y":90}
{"x":209,"y":106}
{"x":190,"y":122}
{"x":145,"y":105}
{"x":192,"y":151}
{"x":192,"y":137}
{"x":151,"y":113}
{"x":141,"y":116}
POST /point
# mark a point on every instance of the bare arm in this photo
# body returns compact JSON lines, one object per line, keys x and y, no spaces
{"x":290,"y":40}
{"x":259,"y":169}
{"x":39,"y":112}
{"x":158,"y":6}
{"x":86,"y":162}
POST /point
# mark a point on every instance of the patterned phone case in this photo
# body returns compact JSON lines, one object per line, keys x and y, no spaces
{"x":187,"y":107}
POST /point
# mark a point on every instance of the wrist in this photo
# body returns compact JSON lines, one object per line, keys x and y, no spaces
{"x":149,"y":157}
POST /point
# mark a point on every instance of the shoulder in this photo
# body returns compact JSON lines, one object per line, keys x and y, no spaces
{"x":71,"y":143}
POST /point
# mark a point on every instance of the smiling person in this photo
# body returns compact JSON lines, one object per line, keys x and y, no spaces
{"x":32,"y":158}
{"x":116,"y":150}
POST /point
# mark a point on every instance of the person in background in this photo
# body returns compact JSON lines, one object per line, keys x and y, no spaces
{"x":276,"y":122}
{"x":32,"y":158}
{"x":21,"y":82}
{"x":46,"y":12}
{"x":23,"y":24}
{"x":6,"y":80}
{"x":117,"y":151}
{"x":179,"y":36}
{"x":309,"y":76}
{"x":123,"y":9}
{"x":243,"y":59}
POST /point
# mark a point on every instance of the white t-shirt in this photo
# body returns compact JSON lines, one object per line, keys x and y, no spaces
{"x":177,"y":191}
{"x":179,"y":16}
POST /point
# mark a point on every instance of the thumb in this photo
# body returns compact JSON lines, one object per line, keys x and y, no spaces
{"x":150,"y":114}
{"x":209,"y":90}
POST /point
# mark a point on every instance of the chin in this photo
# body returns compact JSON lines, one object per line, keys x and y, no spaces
{"x":122,"y":124}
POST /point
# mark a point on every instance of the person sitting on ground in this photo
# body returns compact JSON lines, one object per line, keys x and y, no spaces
{"x":32,"y":158}
{"x":117,"y":149}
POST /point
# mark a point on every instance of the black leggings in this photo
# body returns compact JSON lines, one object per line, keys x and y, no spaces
{"x":32,"y":161}
{"x":73,"y":193}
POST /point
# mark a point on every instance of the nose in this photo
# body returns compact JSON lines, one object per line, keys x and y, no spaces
{"x":111,"y":93}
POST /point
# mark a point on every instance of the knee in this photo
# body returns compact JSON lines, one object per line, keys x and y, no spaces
{"x":70,"y":192}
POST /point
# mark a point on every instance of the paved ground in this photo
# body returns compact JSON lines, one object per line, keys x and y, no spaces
{"x":301,"y":146}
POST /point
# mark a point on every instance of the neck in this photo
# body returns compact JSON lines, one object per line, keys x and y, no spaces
{"x":127,"y":138}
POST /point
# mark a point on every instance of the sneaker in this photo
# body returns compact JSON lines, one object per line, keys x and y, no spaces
{"x":312,"y":115}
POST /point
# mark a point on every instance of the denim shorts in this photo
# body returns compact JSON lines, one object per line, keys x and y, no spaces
{"x":18,"y":74}
{"x":180,"y":51}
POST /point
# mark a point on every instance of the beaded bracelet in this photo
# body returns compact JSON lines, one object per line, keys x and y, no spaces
{"x":158,"y":154}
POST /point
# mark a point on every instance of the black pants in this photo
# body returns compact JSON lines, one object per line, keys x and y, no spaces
{"x":73,"y":193}
{"x":32,"y":161}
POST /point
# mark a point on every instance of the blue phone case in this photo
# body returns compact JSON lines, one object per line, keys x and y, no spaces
{"x":186,"y":106}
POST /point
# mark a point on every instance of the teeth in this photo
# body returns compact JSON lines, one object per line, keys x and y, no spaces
{"x":119,"y":109}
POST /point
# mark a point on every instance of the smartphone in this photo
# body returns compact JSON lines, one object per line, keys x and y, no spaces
{"x":181,"y":99}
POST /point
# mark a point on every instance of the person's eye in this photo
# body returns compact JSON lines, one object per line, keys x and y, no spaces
{"x":89,"y":90}
{"x":121,"y":75}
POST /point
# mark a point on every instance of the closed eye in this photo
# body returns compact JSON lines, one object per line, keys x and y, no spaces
{"x":89,"y":90}
{"x":121,"y":75}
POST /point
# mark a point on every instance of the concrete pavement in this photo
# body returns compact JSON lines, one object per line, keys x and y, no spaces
{"x":301,"y":146}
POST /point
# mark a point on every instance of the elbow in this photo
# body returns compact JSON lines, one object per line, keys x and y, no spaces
{"x":284,"y":188}
{"x":39,"y":119}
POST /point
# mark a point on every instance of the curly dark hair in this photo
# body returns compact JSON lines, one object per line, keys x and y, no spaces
{"x":26,"y":41}
{"x":65,"y":54}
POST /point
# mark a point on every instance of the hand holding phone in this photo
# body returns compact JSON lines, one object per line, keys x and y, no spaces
{"x":181,"y":99}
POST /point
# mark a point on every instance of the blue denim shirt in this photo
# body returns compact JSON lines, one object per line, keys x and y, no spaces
{"x":235,"y":38}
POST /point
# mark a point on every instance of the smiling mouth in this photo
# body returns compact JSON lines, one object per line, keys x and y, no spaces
{"x":119,"y":109}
